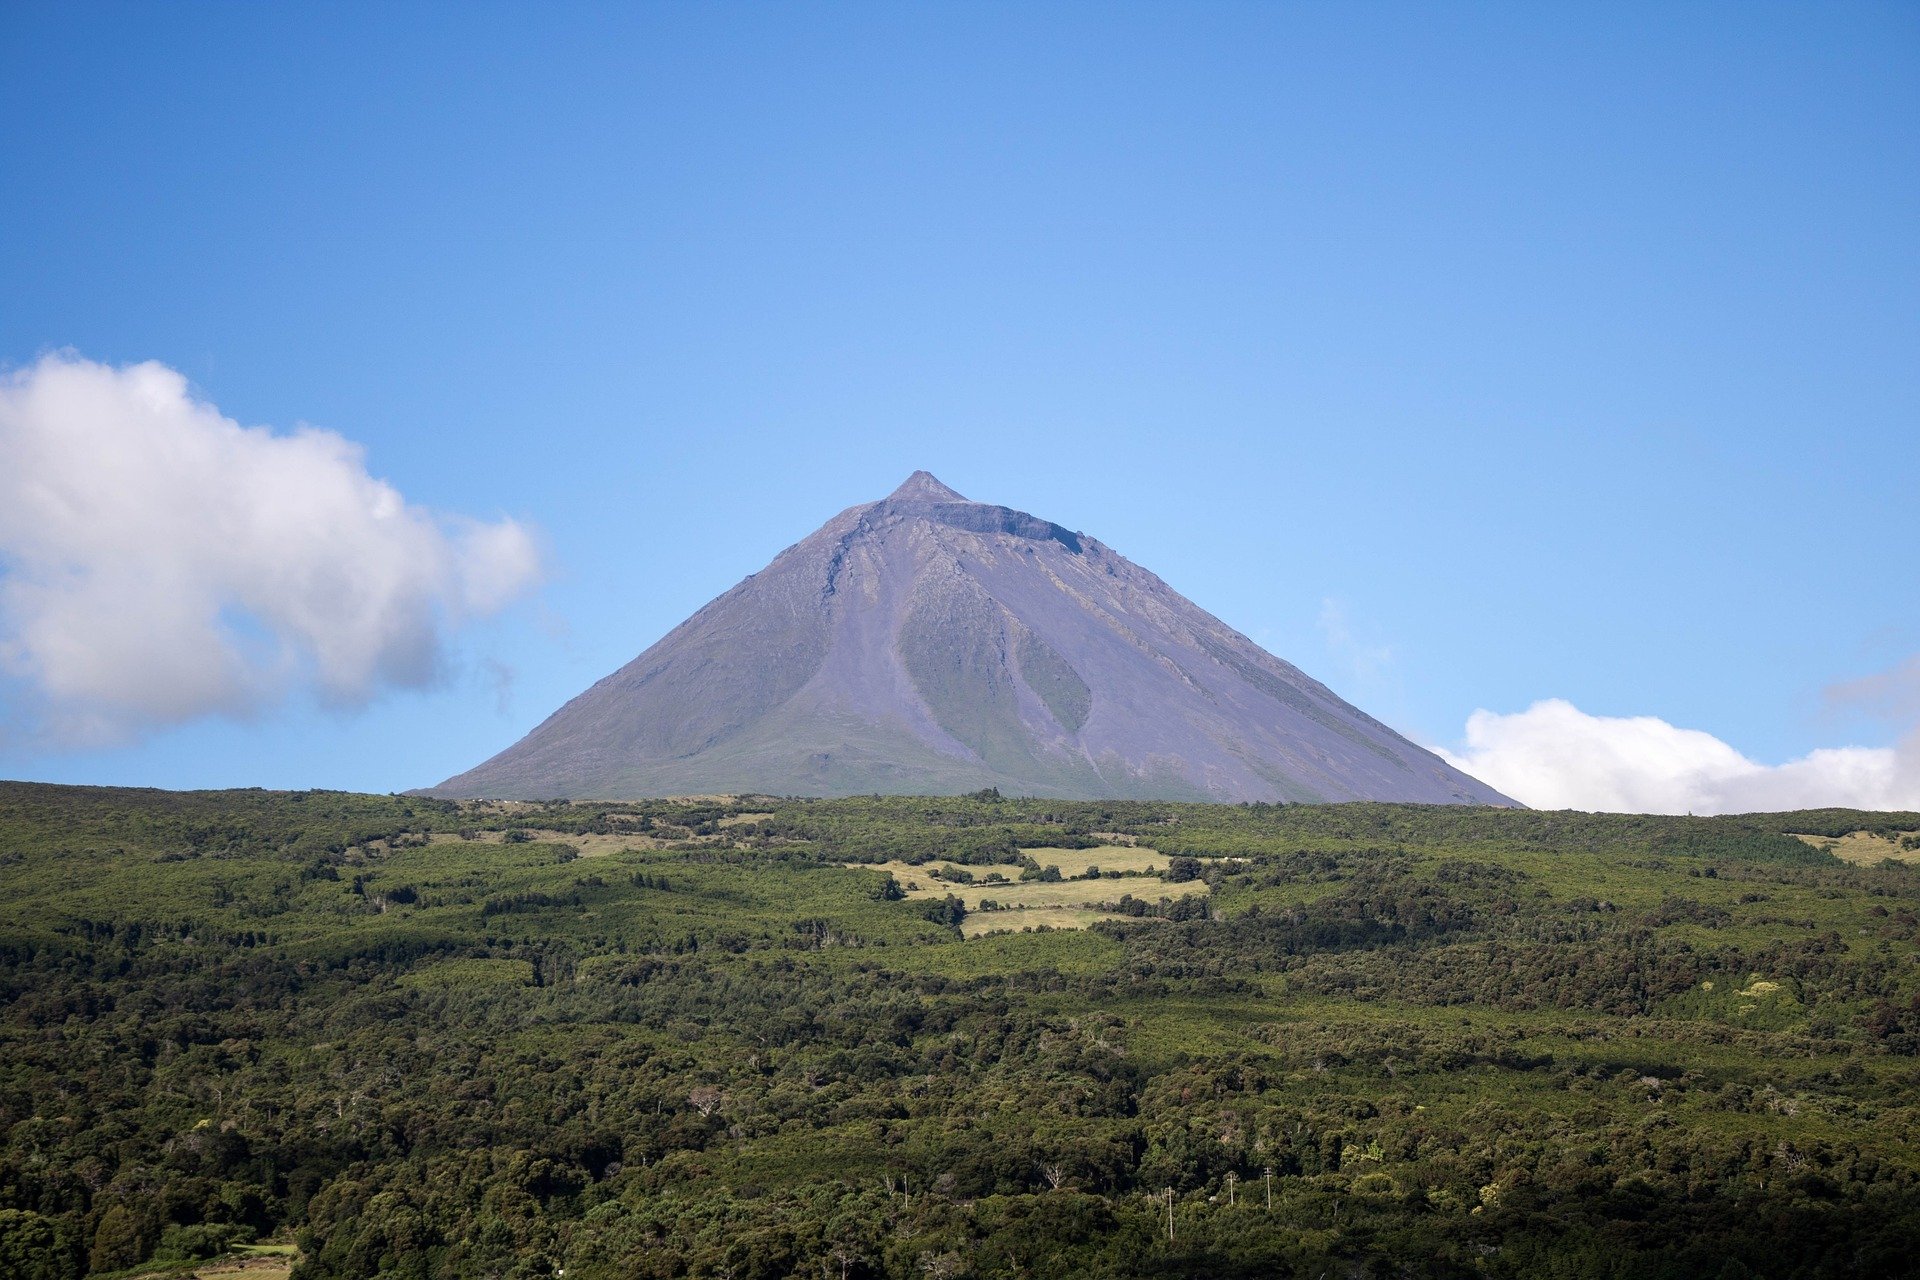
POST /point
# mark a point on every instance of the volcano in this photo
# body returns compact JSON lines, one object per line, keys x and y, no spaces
{"x":929,"y":645}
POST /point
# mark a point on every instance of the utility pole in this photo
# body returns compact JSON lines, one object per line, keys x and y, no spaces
{"x":1269,"y":1174}
{"x":1231,"y":1179}
{"x":1169,"y":1213}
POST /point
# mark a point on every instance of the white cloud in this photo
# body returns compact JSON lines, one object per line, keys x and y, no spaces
{"x":1555,"y":756}
{"x":160,"y":562}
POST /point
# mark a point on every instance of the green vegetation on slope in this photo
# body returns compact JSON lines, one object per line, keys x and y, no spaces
{"x":1387,"y":1040}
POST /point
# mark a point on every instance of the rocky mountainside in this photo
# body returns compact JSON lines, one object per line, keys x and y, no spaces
{"x":925,"y":644}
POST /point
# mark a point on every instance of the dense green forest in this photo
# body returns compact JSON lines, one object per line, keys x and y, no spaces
{"x":417,"y":1038}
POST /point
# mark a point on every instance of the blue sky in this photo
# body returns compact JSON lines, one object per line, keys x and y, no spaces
{"x":1467,"y":356}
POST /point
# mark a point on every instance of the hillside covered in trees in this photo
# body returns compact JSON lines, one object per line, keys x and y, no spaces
{"x":423,"y":1038}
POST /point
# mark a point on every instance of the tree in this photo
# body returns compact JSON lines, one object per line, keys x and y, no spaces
{"x":30,"y":1248}
{"x":116,"y":1241}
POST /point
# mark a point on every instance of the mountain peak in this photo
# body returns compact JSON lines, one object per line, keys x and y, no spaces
{"x":929,"y":645}
{"x":923,"y":486}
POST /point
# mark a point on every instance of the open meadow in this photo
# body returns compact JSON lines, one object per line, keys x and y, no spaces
{"x":1869,"y":847}
{"x":1018,"y":896}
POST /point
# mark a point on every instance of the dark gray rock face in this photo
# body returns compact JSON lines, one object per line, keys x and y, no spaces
{"x":924,"y":644}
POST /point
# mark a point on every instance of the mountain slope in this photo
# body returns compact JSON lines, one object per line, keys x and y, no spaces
{"x":928,"y":644}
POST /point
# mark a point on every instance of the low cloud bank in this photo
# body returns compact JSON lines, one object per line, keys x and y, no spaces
{"x":1555,"y":756}
{"x":159,"y":562}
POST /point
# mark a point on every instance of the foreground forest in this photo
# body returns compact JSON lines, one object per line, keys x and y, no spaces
{"x":420,"y":1038}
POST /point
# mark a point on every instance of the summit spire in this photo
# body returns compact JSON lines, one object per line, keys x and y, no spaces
{"x":923,"y":486}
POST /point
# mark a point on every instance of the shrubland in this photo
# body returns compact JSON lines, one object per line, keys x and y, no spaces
{"x":420,"y":1038}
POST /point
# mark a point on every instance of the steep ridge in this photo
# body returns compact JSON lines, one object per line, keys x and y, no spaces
{"x":928,"y":644}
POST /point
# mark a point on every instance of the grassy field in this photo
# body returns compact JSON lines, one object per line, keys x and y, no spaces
{"x":1019,"y":905}
{"x":1868,"y":847}
{"x":1107,"y":857}
{"x":1025,"y":918}
{"x":588,"y":845}
{"x":253,"y":1262}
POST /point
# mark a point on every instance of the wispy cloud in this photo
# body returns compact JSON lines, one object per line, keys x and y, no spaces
{"x":1555,"y":756}
{"x":1365,"y":661}
{"x":162,"y":563}
{"x":1893,"y":694}
{"x":499,"y":678}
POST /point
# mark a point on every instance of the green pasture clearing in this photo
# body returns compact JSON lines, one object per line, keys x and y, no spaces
{"x":1107,"y":857}
{"x":1867,"y":847}
{"x":742,"y":819}
{"x":1022,"y":919}
{"x":937,"y":879}
{"x":1075,"y":893}
{"x":920,"y":881}
{"x":1022,"y":905}
{"x":587,"y":845}
{"x":256,"y":1267}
